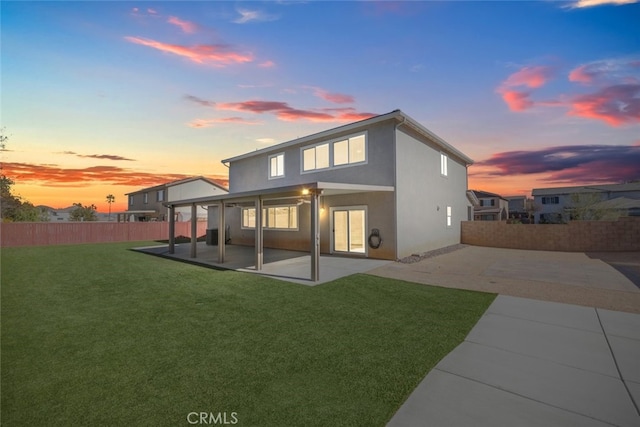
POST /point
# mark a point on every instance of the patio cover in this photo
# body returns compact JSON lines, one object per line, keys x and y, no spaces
{"x":312,"y":191}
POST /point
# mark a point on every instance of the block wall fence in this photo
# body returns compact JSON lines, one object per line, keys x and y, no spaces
{"x":576,"y":236}
{"x":70,"y":233}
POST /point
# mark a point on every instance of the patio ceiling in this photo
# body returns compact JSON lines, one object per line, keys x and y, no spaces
{"x":300,"y":190}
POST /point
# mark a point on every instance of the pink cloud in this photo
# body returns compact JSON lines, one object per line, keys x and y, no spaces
{"x":337,"y":98}
{"x":616,"y":101}
{"x":56,"y":176}
{"x":532,"y":77}
{"x":607,"y":71}
{"x":267,"y":64}
{"x":517,"y":101}
{"x":185,"y":26}
{"x":567,"y":163}
{"x":205,"y":123}
{"x":580,"y":75}
{"x":284,"y":112}
{"x":200,"y":101}
{"x":615,"y":105}
{"x":215,"y":54}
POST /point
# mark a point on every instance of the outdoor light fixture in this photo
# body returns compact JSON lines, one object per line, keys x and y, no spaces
{"x":305,"y":191}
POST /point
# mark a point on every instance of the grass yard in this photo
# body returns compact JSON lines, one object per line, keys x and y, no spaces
{"x":100,"y":335}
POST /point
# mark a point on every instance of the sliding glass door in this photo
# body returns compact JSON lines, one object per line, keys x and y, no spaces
{"x":349,"y":230}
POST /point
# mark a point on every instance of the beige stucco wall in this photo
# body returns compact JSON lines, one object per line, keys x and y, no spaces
{"x":379,"y":211}
{"x":252,"y":173}
{"x":422,"y":196}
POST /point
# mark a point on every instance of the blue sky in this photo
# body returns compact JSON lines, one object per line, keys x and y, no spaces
{"x":110,"y":97}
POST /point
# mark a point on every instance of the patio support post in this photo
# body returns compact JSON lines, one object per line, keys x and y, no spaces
{"x":194,"y":229}
{"x":172,"y":229}
{"x":258,"y":239}
{"x":315,"y":238}
{"x":222,"y":238}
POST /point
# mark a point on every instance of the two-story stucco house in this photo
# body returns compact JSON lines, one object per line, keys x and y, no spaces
{"x":558,"y":204}
{"x":384,"y":187}
{"x":147,"y":204}
{"x":490,"y":207}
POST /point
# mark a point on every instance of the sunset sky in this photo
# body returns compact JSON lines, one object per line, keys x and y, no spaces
{"x":110,"y":97}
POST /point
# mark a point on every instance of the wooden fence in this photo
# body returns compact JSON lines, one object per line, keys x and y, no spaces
{"x":52,"y":233}
{"x":576,"y":236}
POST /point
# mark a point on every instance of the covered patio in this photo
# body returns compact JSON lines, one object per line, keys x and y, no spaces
{"x":291,"y":266}
{"x":309,"y":193}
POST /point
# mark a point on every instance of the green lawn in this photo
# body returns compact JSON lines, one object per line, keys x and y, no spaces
{"x":100,"y":335}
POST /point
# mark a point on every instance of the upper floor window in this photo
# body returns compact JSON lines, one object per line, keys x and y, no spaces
{"x":488,"y":202}
{"x":160,"y":196}
{"x":444,"y":160}
{"x":130,"y":200}
{"x":315,"y":157}
{"x":146,"y":198}
{"x":349,"y":151}
{"x":550,"y":200}
{"x":343,"y":152}
{"x":276,"y":166}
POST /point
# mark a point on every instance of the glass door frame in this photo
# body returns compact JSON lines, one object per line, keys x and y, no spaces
{"x":365,"y":244}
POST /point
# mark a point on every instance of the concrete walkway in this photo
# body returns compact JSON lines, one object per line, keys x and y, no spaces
{"x":535,"y":363}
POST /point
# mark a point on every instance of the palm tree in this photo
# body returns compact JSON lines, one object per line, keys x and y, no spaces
{"x":110,"y":199}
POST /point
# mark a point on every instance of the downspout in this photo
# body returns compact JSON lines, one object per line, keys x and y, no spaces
{"x":395,"y":182}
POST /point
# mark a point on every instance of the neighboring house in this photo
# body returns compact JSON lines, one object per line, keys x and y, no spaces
{"x":557,"y":205}
{"x":518,"y":207}
{"x":384,"y":187}
{"x":58,"y":215}
{"x":64,"y":215}
{"x":147,"y":204}
{"x":490,"y":207}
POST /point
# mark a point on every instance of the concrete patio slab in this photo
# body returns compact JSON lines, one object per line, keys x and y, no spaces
{"x":290,"y":266}
{"x":529,"y":362}
{"x":565,"y":277}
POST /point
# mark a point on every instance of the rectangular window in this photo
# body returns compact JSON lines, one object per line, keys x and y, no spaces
{"x":315,"y":157}
{"x":146,"y":198}
{"x":344,"y":152}
{"x":449,"y":216}
{"x":350,"y":151}
{"x":248,"y":218}
{"x":160,"y":196}
{"x":130,"y":200}
{"x":444,"y":159}
{"x":341,"y":152}
{"x":276,"y":166}
{"x":273,"y":217}
{"x":551,"y":200}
